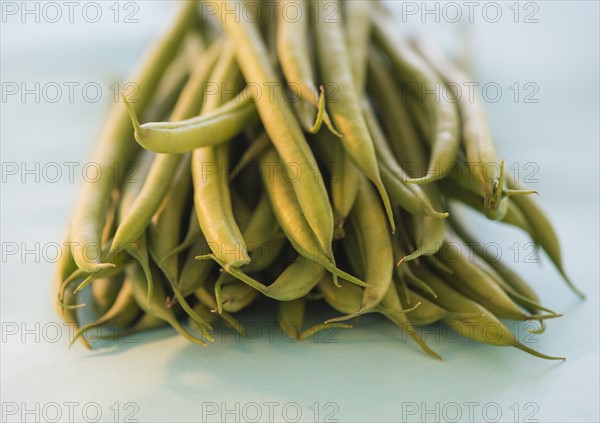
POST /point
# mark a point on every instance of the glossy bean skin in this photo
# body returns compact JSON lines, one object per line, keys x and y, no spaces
{"x":442,"y":114}
{"x":115,"y":145}
{"x":280,"y":123}
{"x":346,"y":114}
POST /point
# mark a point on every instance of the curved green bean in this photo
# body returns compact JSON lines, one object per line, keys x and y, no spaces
{"x":114,"y":146}
{"x":334,"y":66}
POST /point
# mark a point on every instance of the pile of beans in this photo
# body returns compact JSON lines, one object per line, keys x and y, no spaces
{"x":296,"y":160}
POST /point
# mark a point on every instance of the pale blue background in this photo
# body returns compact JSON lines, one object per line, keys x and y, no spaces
{"x":370,"y":375}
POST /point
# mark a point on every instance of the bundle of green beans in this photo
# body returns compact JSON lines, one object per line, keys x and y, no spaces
{"x":240,"y":193}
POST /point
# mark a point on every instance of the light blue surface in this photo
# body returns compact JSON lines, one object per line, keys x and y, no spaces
{"x":368,"y":373}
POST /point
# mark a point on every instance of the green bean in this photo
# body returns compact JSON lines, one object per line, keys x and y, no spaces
{"x":542,"y":232}
{"x":294,"y":56}
{"x":473,"y":328}
{"x":513,"y":215}
{"x":236,"y":294}
{"x":121,"y":314}
{"x":358,"y":35}
{"x":195,"y":273}
{"x":291,"y":219}
{"x":476,"y":133}
{"x":208,"y":300}
{"x":406,"y":144}
{"x":514,"y":281}
{"x":417,"y":112}
{"x":297,"y":280}
{"x":409,"y":196}
{"x":136,"y":247}
{"x":495,"y":207}
{"x":110,"y":220}
{"x":163,"y":234}
{"x":404,"y":273}
{"x":334,"y":65}
{"x":348,"y":299}
{"x":428,"y":312}
{"x":391,"y":301}
{"x":175,"y":78}
{"x":114,"y":146}
{"x":256,"y":148}
{"x":138,"y":281}
{"x":146,"y":322}
{"x":193,"y":233}
{"x":396,"y":122}
{"x":290,"y":316}
{"x":368,"y":228}
{"x":473,"y":282}
{"x":344,"y":176}
{"x":442,"y":113}
{"x":530,"y":305}
{"x":212,"y":198}
{"x":161,"y":174}
{"x":429,"y":233}
{"x":105,"y":292}
{"x":280,"y":122}
{"x":65,"y":303}
{"x":212,"y":201}
{"x":262,"y":225}
{"x":209,"y":129}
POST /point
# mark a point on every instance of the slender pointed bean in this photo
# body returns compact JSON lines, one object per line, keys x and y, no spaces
{"x":291,"y":219}
{"x":409,"y":196}
{"x":114,"y":146}
{"x":442,"y":112}
{"x":542,"y":232}
{"x":122,"y":313}
{"x":367,"y":229}
{"x":474,"y":328}
{"x":280,"y":122}
{"x":344,"y":176}
{"x":157,"y":182}
{"x":334,"y":66}
{"x":136,"y":277}
{"x":294,"y":57}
